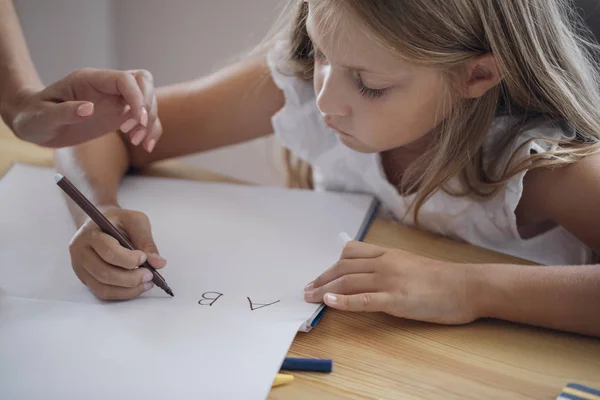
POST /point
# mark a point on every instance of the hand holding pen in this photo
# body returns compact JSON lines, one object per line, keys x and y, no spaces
{"x":105,"y":259}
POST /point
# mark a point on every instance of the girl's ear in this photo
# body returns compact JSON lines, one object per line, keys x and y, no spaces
{"x":480,"y":75}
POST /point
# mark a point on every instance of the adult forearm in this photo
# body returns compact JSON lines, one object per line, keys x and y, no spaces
{"x":16,"y":67}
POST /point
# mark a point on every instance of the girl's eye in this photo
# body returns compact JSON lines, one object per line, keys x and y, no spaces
{"x":367,"y":91}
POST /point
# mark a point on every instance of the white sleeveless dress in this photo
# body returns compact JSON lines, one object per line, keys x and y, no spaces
{"x":491,"y":223}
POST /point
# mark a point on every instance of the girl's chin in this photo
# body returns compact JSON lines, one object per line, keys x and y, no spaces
{"x":354,"y":144}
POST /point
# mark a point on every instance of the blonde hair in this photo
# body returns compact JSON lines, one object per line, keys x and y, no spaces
{"x":546,"y":59}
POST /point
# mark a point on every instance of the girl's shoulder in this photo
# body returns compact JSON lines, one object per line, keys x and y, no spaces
{"x":512,"y":139}
{"x":299,"y":125}
{"x":297,"y":91}
{"x":505,"y":222}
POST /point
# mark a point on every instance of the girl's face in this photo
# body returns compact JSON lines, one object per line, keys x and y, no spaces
{"x":374,"y":100}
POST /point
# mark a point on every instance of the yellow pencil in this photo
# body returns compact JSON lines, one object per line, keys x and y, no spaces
{"x":282,"y":379}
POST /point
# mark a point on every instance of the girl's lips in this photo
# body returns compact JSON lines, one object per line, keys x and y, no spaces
{"x":336,"y":129}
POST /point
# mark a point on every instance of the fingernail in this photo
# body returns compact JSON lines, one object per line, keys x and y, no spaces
{"x":331,"y":298}
{"x":128,"y":125}
{"x":147,"y":276}
{"x":157,"y":256}
{"x":309,"y":296}
{"x":138,"y":137}
{"x":143,"y":258}
{"x":151,"y":145}
{"x":148,"y":286}
{"x":144,"y":117}
{"x":85,"y":110}
{"x":309,"y":287}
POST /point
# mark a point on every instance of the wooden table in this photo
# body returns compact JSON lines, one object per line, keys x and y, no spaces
{"x":378,"y":356}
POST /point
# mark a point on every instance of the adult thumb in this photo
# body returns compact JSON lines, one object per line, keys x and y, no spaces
{"x":137,"y":226}
{"x":68,"y":112}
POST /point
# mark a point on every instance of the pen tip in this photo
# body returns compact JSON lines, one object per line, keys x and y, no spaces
{"x":169,"y":291}
{"x":57,"y":177}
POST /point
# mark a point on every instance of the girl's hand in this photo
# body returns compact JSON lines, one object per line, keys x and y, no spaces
{"x":108,"y":269}
{"x":372,"y":278}
{"x":86,"y":104}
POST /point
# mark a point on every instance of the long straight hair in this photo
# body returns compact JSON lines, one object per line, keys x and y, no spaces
{"x":546,"y":56}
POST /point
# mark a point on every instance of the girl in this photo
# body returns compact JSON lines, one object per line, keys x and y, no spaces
{"x":474,"y":119}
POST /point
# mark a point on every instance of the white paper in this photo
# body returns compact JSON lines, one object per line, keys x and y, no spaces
{"x":265,"y":244}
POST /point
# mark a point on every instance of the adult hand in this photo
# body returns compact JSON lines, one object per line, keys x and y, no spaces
{"x":86,"y":104}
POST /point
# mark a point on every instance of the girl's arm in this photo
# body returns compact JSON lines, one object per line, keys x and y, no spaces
{"x":230,"y":106}
{"x":227,"y":107}
{"x":407,"y":285}
{"x":562,"y":297}
{"x":565,"y":298}
{"x":372,"y":278}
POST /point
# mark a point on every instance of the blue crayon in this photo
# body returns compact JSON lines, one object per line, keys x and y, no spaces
{"x":307,"y":364}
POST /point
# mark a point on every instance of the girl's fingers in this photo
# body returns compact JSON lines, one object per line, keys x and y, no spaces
{"x":346,"y":284}
{"x":114,"y":276}
{"x":341,"y":268}
{"x":111,"y":251}
{"x":110,"y":292}
{"x":356,"y":249}
{"x":369,"y":302}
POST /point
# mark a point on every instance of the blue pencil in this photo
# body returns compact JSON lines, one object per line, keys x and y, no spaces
{"x":307,"y":364}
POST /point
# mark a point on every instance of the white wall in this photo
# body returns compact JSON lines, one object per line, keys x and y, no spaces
{"x":176,"y":40}
{"x":182,"y":39}
{"x":64,"y":35}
